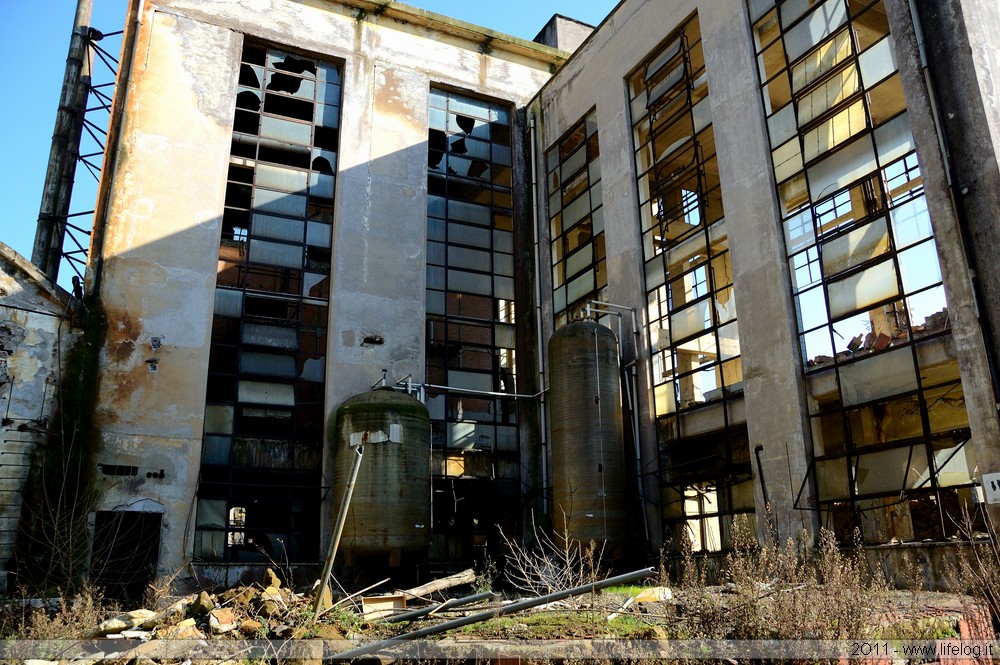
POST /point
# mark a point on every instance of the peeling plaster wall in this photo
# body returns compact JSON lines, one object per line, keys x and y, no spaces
{"x":160,"y":257}
{"x":380,"y":226}
{"x":36,"y":337}
{"x":167,"y":200}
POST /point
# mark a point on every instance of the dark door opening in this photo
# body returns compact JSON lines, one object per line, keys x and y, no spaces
{"x":126,"y":551}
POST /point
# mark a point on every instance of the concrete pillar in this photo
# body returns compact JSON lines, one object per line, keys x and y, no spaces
{"x":772,"y":367}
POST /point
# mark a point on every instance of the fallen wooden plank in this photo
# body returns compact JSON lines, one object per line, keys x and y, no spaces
{"x":467,"y":576}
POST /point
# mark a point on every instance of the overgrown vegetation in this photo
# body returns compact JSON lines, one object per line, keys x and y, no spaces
{"x":53,"y":544}
{"x":977,"y":569}
{"x":66,"y":617}
{"x":782,"y":591}
{"x":769,"y":591}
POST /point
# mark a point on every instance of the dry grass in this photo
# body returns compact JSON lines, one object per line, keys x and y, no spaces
{"x":782,"y":592}
{"x":66,"y":617}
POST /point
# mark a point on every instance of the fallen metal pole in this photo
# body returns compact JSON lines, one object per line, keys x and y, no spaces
{"x":446,"y":605}
{"x":496,"y":612}
{"x":338,"y":529}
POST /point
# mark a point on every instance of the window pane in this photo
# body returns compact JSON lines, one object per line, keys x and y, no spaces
{"x":818,"y":26}
{"x":863,"y":289}
{"x":856,"y":247}
{"x":890,"y":470}
{"x":275,"y":254}
{"x":878,"y":376}
{"x":277,"y":228}
{"x":258,"y":392}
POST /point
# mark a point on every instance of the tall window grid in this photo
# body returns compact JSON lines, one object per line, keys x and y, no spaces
{"x":576,"y":221}
{"x":697,"y":370}
{"x":890,"y":430}
{"x":470,"y":325}
{"x":260,"y":487}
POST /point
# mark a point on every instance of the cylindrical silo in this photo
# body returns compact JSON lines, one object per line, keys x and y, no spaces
{"x":588,"y":471}
{"x":390,"y":510}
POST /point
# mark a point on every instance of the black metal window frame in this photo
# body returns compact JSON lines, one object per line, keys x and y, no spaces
{"x":833,"y":100}
{"x":261,"y":474}
{"x":576,"y":220}
{"x":471,"y":334}
{"x":704,"y":458}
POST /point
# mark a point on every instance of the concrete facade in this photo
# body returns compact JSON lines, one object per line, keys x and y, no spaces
{"x":688,"y":157}
{"x":160,"y":249}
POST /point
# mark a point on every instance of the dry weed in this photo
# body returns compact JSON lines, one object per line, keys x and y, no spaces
{"x":552,"y":563}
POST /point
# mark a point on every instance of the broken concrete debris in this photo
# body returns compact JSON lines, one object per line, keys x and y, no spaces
{"x":276,"y":612}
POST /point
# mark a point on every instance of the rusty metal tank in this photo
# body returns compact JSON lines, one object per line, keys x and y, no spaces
{"x":390,"y":510}
{"x":588,"y":469}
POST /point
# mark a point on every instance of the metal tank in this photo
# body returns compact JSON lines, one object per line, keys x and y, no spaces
{"x":588,"y":470}
{"x":390,"y":511}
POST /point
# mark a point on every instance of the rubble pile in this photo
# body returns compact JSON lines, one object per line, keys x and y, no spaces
{"x":267,"y":611}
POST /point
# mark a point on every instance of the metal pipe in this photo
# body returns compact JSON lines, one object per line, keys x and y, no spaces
{"x":61,"y":168}
{"x":542,"y":405}
{"x":588,"y":312}
{"x":448,"y":604}
{"x":497,"y":612}
{"x":338,"y":530}
{"x":772,"y":527}
{"x":470,"y":391}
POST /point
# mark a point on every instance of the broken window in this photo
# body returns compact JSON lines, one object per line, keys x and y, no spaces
{"x":697,"y":371}
{"x":470,"y":322}
{"x":708,"y":480}
{"x":883,"y":387}
{"x":261,"y":478}
{"x":576,"y":220}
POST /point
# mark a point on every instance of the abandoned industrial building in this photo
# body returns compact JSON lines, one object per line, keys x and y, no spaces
{"x":703,"y":260}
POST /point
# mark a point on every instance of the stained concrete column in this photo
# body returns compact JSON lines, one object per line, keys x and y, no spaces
{"x":160,"y":259}
{"x":960,"y":90}
{"x":772,"y":367}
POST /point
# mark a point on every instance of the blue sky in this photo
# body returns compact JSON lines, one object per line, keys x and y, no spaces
{"x":34,"y":48}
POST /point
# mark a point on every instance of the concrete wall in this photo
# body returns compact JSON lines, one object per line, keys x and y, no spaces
{"x":37,"y":334}
{"x":163,"y":224}
{"x":160,"y":255}
{"x":564,"y":33}
{"x":772,"y":368}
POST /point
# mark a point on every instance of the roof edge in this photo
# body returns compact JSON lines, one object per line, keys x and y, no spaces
{"x":448,"y":25}
{"x":32,"y":272}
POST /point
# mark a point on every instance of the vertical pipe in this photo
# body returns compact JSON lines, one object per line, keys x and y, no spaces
{"x":542,"y":406}
{"x":65,"y":149}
